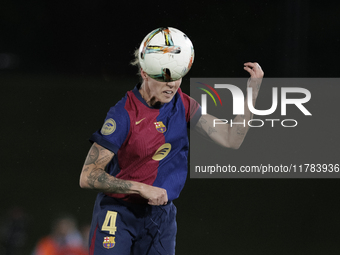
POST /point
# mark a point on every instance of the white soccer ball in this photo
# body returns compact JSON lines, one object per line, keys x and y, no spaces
{"x":166,"y":54}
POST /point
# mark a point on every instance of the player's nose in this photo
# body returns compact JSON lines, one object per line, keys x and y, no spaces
{"x":170,"y":84}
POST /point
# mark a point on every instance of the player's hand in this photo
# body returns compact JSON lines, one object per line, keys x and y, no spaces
{"x":256,"y":75}
{"x":155,"y":195}
{"x":254,"y":69}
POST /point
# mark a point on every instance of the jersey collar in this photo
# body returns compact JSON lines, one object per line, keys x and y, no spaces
{"x":140,"y":98}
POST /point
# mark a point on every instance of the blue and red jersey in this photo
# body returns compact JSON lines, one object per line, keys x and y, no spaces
{"x":150,"y":144}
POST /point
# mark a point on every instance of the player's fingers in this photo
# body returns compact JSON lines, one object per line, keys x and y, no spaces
{"x":150,"y":201}
{"x":153,"y":202}
{"x":163,"y":200}
{"x":252,"y":64}
{"x":158,"y":203}
{"x":159,"y":198}
{"x":165,"y":197}
{"x":249,"y":70}
{"x":254,"y":69}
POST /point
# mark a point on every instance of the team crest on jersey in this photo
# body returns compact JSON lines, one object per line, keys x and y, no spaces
{"x":109,"y":127}
{"x":160,"y":126}
{"x":109,"y":242}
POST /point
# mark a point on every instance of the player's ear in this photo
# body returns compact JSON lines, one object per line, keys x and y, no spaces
{"x":143,"y":74}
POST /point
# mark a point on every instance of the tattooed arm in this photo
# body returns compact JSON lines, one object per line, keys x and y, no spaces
{"x":93,"y":176}
{"x":225,"y":135}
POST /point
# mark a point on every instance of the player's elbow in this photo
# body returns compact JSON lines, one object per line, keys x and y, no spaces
{"x":230,"y":144}
{"x":83,"y":183}
{"x":235,"y":142}
{"x":235,"y":146}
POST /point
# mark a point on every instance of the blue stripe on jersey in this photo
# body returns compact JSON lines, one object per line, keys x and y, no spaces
{"x":172,"y":170}
{"x":121,"y":117}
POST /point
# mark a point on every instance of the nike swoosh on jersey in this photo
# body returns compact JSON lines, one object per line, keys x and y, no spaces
{"x":137,"y":122}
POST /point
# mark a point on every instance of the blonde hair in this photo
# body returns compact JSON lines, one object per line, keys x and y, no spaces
{"x":135,"y":62}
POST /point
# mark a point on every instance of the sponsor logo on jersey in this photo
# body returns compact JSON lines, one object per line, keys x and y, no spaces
{"x":137,"y":122}
{"x":109,"y":127}
{"x":109,"y":242}
{"x":162,"y":152}
{"x":160,"y":126}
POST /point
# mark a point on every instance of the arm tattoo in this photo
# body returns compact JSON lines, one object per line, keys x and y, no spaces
{"x":93,"y":156}
{"x":93,"y":176}
{"x":112,"y":185}
{"x":202,"y":120}
{"x":104,"y":160}
{"x":257,"y":83}
{"x":240,"y":130}
{"x":96,"y":176}
{"x":211,"y":130}
{"x":200,"y":123}
{"x":119,"y":186}
{"x":102,"y":178}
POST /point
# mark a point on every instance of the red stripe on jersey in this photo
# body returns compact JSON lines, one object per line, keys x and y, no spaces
{"x":135,"y":154}
{"x":190,"y":105}
{"x":93,"y":241}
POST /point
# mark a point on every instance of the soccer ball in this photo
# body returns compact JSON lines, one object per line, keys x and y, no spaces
{"x":166,"y":54}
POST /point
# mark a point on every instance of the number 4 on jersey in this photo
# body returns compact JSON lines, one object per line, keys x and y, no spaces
{"x":110,"y":222}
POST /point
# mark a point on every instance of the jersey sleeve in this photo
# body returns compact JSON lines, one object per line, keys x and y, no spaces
{"x":114,"y":130}
{"x":192,"y":110}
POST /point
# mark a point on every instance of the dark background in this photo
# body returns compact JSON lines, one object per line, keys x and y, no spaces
{"x":64,"y":63}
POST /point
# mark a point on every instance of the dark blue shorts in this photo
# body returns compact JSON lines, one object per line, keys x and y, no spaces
{"x":123,"y":228}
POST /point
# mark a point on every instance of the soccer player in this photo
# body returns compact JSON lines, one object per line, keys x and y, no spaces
{"x":138,"y":163}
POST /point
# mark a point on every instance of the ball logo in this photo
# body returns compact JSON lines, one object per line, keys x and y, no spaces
{"x":109,"y":127}
{"x":168,"y":46}
{"x":162,"y":152}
